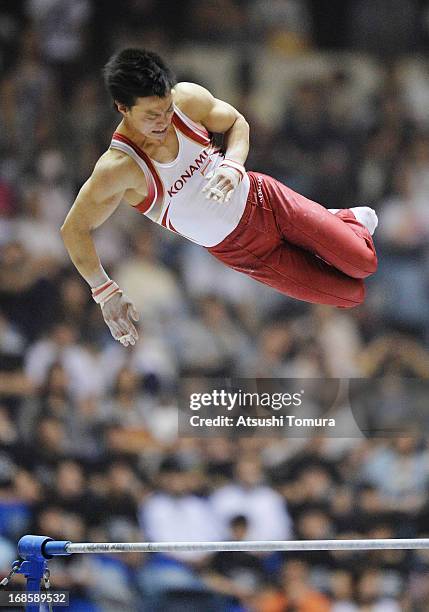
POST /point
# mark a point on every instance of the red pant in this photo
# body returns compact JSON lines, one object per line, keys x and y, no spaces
{"x":299,"y":248}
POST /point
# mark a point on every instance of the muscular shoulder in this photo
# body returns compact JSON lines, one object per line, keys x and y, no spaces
{"x":201,"y":106}
{"x":115,"y":171}
{"x":195,"y":101}
{"x":114,"y":165}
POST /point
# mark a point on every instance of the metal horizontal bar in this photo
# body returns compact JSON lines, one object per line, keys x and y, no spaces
{"x":257,"y":546}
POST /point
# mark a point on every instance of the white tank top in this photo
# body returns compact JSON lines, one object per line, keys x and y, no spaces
{"x":175,"y":199}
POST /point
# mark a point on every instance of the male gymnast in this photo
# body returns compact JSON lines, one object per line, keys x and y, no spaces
{"x":162,"y":161}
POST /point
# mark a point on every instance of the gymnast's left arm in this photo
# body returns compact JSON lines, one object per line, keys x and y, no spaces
{"x":220,"y":117}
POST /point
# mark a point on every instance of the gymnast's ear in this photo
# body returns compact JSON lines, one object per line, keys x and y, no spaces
{"x":122,"y":108}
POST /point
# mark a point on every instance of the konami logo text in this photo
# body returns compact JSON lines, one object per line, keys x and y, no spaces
{"x":197,"y":164}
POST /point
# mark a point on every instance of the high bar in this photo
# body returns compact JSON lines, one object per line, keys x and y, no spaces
{"x":255,"y":546}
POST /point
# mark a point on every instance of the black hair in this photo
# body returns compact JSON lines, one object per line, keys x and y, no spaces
{"x":239,"y":520}
{"x":171,"y":464}
{"x":137,"y":73}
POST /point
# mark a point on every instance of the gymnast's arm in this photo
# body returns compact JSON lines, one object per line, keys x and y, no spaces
{"x":220,"y":117}
{"x":97,"y":200}
{"x":217,"y":116}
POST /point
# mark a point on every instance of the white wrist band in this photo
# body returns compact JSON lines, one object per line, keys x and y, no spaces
{"x":103,"y":293}
{"x":230,"y":163}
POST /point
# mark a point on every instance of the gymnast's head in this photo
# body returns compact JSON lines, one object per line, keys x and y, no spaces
{"x":141,"y":86}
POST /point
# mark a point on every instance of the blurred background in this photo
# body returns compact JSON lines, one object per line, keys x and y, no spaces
{"x":336,"y":92}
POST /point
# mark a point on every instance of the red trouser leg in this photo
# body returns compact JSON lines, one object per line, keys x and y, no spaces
{"x":338,"y":239}
{"x":284,"y":240}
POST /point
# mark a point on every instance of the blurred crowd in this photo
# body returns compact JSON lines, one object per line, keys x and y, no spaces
{"x":89,"y":449}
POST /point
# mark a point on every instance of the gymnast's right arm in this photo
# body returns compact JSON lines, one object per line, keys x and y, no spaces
{"x":97,"y":200}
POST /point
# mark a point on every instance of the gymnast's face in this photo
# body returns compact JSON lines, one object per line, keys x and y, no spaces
{"x":150,"y":116}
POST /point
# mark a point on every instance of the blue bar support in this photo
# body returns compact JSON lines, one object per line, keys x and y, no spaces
{"x":35,"y":552}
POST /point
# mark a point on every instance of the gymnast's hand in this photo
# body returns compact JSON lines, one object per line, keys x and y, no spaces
{"x":118,"y":313}
{"x":223,"y":181}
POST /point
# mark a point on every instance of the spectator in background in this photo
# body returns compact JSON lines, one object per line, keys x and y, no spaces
{"x":8,"y":204}
{"x":217,"y":21}
{"x":26,"y":295}
{"x":49,"y":446}
{"x":34,"y":230}
{"x":372,"y":508}
{"x":172,"y":512}
{"x":7,"y":555}
{"x":61,"y":345}
{"x":60,"y":28}
{"x":162,"y":418}
{"x":126,"y":408}
{"x":395,"y":354}
{"x":113,"y":579}
{"x":341,"y":591}
{"x":50,"y":185}
{"x":202,"y":276}
{"x":412,"y":182}
{"x":72,"y":494}
{"x":370,"y":593}
{"x":406,"y":462}
{"x":8,"y":430}
{"x":73,"y":304}
{"x":153,"y":359}
{"x":340,"y":342}
{"x":239,"y":575}
{"x":387,"y":28}
{"x":275,"y":341}
{"x":20,"y":496}
{"x":84,"y":132}
{"x":159,"y":298}
{"x":52,"y":400}
{"x":306,"y":134}
{"x":284,"y":25}
{"x":295,"y":592}
{"x":413,"y":79}
{"x":404,"y":239}
{"x":250,"y":496}
{"x":211,"y":342}
{"x":70,"y":572}
{"x":299,"y":591}
{"x":28,"y":104}
{"x":316,"y":485}
{"x":123,"y":494}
